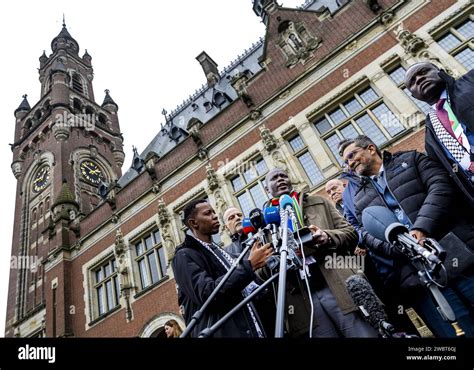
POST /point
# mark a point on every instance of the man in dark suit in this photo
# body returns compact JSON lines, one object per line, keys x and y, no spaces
{"x":199,"y":265}
{"x":449,"y":137}
{"x":418,"y":192}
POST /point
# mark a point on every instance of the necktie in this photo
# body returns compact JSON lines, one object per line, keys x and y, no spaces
{"x":444,"y":117}
{"x":453,"y":127}
{"x":381,"y":182}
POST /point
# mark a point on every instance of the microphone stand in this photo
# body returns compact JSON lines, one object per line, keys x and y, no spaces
{"x":207,"y":332}
{"x":198,"y":314}
{"x":444,"y":308}
{"x":281,"y":295}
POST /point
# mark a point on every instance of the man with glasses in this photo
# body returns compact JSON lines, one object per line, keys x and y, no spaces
{"x":417,"y":190}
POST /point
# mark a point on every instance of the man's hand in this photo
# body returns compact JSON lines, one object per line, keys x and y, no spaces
{"x":320,"y":237}
{"x":360,"y":251}
{"x":419,"y":235}
{"x":259,"y":255}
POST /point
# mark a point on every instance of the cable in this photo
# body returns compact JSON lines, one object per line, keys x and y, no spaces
{"x":307,"y":284}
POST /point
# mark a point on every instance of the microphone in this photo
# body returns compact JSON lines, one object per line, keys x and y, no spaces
{"x":257,"y":219}
{"x":247,"y":227}
{"x":381,"y":223}
{"x":365,"y":298}
{"x":271,"y":216}
{"x":286,"y":204}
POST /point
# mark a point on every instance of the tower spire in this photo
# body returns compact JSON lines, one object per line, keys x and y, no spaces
{"x":64,"y":21}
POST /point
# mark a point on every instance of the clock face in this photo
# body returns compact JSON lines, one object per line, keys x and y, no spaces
{"x":41,"y":179}
{"x":91,"y":172}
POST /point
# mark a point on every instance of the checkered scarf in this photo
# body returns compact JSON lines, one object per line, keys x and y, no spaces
{"x":458,"y":152}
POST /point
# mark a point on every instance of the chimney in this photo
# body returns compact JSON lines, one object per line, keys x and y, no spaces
{"x":209,"y":67}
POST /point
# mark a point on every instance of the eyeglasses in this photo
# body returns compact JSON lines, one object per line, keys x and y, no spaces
{"x":351,"y":155}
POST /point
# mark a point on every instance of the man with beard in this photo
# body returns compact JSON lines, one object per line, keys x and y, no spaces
{"x":199,"y":265}
{"x":233,"y":223}
{"x":265,"y":301}
{"x":418,"y":192}
{"x":449,"y":135}
{"x":335,"y":314}
{"x":334,"y":189}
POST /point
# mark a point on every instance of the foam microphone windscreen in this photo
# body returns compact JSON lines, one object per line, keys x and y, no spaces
{"x":247,"y":226}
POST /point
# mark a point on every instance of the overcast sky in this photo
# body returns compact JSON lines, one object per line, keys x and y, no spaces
{"x":143,"y":51}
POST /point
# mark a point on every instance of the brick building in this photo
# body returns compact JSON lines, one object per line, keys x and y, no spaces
{"x":93,"y":245}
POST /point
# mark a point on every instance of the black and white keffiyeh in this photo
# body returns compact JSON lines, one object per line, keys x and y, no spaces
{"x":458,"y":152}
{"x":229,"y":260}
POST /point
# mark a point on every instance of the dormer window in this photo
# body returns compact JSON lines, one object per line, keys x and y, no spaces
{"x":208,"y":106}
{"x":220,"y":99}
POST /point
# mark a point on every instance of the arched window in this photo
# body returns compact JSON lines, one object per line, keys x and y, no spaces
{"x":208,"y":106}
{"x":46,"y":204}
{"x":28,"y":125}
{"x":38,"y":115}
{"x":40,"y":210}
{"x":47,"y":106}
{"x":77,"y":106}
{"x":77,"y":83}
{"x":220,"y":99}
{"x":49,"y":85}
{"x":33,"y":215}
{"x":102,"y":119}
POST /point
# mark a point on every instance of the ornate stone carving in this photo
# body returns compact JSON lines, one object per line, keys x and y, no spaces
{"x":61,"y":131}
{"x":221,"y":204}
{"x":386,"y":18}
{"x":150,"y":160}
{"x":194,"y":128}
{"x":168,"y":241}
{"x":255,"y":114}
{"x":296,"y":42}
{"x":17,"y":168}
{"x":120,"y":246}
{"x":374,"y":5}
{"x":119,"y":156}
{"x":163,"y":214}
{"x":268,"y":139}
{"x":239,"y":83}
{"x":203,"y":154}
{"x":411,"y":43}
{"x":120,"y":251}
{"x":212,"y":180}
{"x":115,"y":218}
{"x":112,"y":198}
{"x":164,"y":221}
{"x":156,"y":188}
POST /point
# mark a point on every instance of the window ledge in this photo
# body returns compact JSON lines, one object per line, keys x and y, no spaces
{"x":103,"y":316}
{"x":151,"y":287}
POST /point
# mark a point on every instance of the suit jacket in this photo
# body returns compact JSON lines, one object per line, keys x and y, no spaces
{"x":461,"y":93}
{"x":197,"y":274}
{"x":321,"y":212}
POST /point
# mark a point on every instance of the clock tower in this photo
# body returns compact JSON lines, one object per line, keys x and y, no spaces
{"x":66,"y":147}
